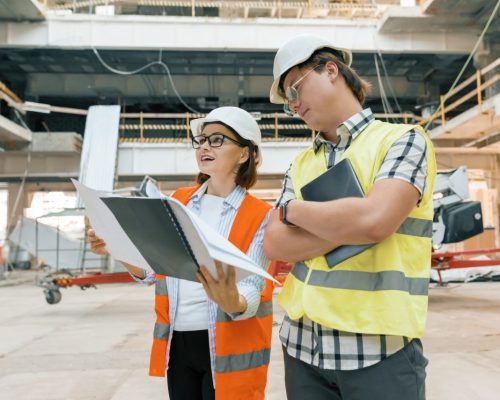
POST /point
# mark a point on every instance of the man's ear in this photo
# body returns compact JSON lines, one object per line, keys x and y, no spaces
{"x":332,"y":69}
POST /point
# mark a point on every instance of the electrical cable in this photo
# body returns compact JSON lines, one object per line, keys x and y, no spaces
{"x":385,"y":103}
{"x":393,"y":94}
{"x":136,"y":71}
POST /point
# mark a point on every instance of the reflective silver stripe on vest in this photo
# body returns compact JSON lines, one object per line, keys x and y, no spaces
{"x":264,"y":310}
{"x":161,"y":331}
{"x":161,"y":287}
{"x":241,"y":362}
{"x":369,"y":281}
{"x":299,"y":270}
{"x":416,"y":227}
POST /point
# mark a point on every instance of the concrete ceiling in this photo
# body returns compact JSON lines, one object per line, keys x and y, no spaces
{"x":78,"y":73}
{"x":443,"y":15}
{"x":21,"y":10}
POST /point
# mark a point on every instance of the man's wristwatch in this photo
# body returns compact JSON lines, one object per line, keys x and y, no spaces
{"x":282,"y":213}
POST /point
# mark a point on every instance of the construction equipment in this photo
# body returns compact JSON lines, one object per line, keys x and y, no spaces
{"x":454,"y":218}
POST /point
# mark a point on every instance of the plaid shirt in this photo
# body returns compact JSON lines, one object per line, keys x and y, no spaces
{"x":329,"y":348}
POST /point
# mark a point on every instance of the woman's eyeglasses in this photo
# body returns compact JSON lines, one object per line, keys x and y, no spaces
{"x":215,"y":140}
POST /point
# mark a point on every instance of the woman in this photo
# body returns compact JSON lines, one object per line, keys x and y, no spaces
{"x":216,"y":333}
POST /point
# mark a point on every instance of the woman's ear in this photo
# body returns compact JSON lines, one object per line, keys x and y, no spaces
{"x":244,"y":155}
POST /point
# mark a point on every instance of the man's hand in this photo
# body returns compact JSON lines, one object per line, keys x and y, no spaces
{"x":223,"y":291}
{"x":97,"y":245}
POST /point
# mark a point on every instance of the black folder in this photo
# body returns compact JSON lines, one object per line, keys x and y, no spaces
{"x":336,"y":183}
{"x":151,"y":224}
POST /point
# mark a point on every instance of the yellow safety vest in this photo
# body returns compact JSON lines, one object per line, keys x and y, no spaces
{"x":382,"y":290}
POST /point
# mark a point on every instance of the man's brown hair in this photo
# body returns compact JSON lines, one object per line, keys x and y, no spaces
{"x":359,"y":87}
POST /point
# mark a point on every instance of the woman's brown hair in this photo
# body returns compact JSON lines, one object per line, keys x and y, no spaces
{"x":359,"y":87}
{"x":247,"y":173}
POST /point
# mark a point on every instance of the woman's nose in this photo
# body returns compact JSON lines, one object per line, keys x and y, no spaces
{"x":205,"y":144}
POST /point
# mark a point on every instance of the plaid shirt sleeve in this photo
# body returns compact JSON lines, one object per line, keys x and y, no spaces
{"x":287,"y":192}
{"x":149,"y":278}
{"x":406,"y":160}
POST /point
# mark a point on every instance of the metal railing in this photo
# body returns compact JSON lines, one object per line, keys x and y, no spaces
{"x":174,"y":127}
{"x":483,"y":79}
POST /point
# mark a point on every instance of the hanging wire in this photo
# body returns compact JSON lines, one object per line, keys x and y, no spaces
{"x":385,"y":102}
{"x":389,"y":85}
{"x":459,"y":76}
{"x":136,"y":71}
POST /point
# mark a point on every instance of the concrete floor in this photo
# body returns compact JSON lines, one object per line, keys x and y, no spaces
{"x":95,"y":344}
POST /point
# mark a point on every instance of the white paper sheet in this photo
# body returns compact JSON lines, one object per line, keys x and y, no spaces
{"x":218,"y":247}
{"x":107,"y":228}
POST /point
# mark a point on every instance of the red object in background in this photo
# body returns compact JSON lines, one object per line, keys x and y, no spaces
{"x":455,"y":259}
{"x":279,"y":270}
{"x":93,"y":279}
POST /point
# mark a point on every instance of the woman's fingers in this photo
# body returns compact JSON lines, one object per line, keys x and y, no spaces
{"x":231,"y":275}
{"x":220,"y":272}
{"x":207,"y":285}
{"x":97,"y":245}
{"x":207,"y":276}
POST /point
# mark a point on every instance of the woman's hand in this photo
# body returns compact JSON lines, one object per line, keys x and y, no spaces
{"x":97,"y":245}
{"x":223,"y":291}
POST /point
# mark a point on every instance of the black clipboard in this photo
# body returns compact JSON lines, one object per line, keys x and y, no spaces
{"x":154,"y":229}
{"x":336,"y":183}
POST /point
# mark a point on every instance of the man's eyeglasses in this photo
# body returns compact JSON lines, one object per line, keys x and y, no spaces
{"x":215,"y":140}
{"x":292,"y":94}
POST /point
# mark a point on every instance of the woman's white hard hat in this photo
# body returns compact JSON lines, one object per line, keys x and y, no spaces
{"x":242,"y":122}
{"x":296,"y":51}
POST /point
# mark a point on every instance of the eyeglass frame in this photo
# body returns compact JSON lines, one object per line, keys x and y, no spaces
{"x":207,"y":139}
{"x":291,"y":91}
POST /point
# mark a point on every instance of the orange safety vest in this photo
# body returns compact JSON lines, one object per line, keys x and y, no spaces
{"x":242,"y":348}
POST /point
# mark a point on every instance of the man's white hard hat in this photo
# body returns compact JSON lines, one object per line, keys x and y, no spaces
{"x":296,"y":51}
{"x":242,"y":122}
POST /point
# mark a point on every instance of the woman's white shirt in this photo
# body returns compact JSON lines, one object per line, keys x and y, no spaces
{"x":192,"y":313}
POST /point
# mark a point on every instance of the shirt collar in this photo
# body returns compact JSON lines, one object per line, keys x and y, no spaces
{"x":348,"y":129}
{"x":234,"y":199}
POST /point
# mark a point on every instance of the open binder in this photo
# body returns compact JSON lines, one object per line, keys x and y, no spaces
{"x":337,"y":182}
{"x":162,"y":235}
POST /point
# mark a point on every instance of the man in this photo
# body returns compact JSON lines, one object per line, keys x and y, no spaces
{"x":351,"y":330}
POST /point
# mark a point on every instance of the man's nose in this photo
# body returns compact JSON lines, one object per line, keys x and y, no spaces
{"x":294,"y":105}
